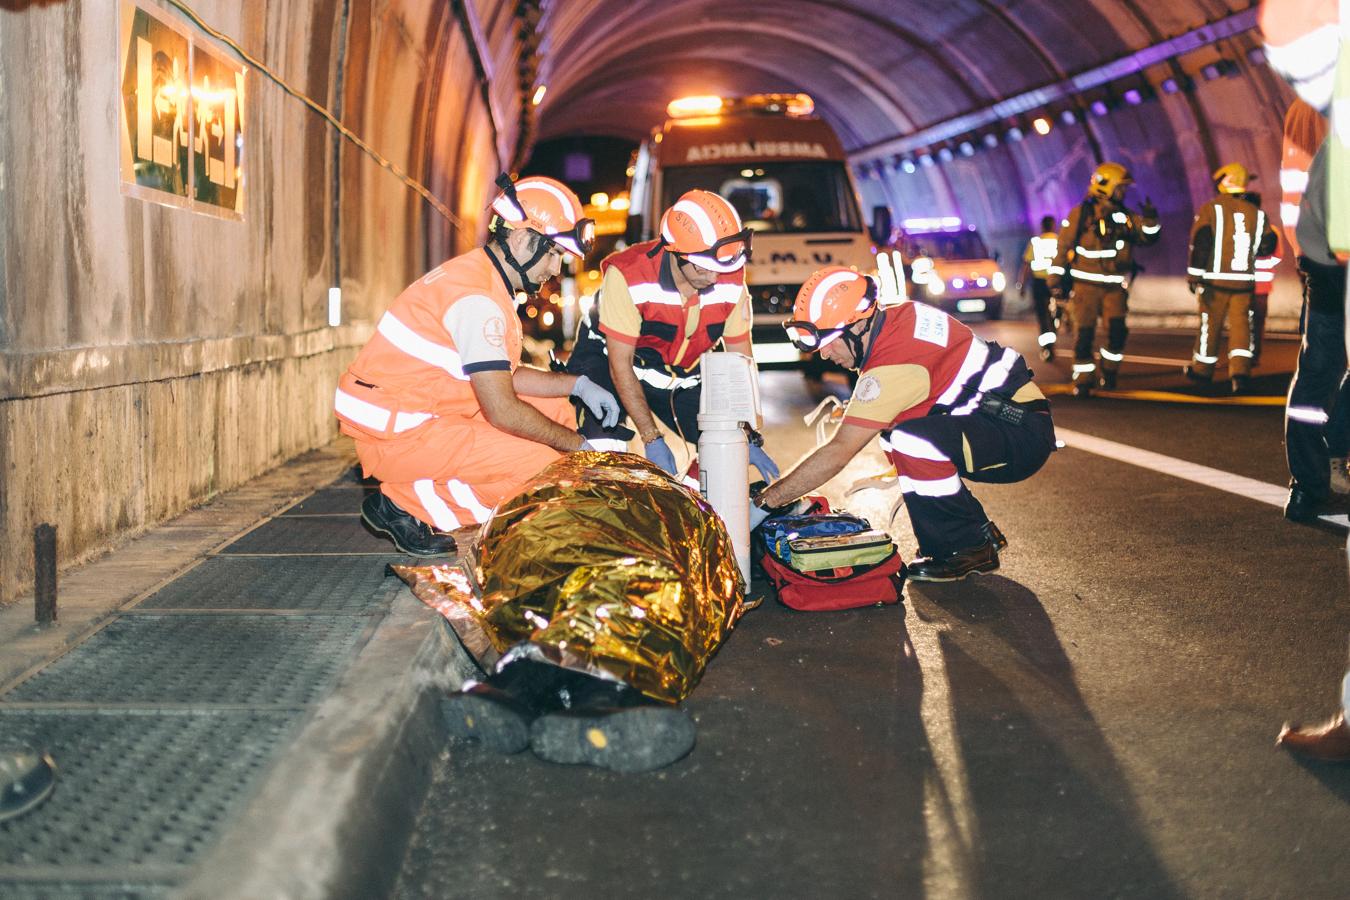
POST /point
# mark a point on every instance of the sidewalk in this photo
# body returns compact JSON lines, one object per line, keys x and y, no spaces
{"x":238,"y":703}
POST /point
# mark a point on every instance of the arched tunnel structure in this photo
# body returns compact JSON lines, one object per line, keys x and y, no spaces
{"x":158,"y":350}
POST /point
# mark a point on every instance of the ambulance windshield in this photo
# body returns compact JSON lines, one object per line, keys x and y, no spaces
{"x":946,"y":245}
{"x":783,"y":197}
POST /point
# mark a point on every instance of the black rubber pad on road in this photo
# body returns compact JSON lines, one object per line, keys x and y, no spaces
{"x":136,"y":792}
{"x":338,"y":500}
{"x":638,"y":739}
{"x":326,"y":583}
{"x":338,"y":534}
{"x":201,"y":659}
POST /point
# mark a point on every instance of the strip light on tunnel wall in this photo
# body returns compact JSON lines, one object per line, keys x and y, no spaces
{"x":1009,"y":116}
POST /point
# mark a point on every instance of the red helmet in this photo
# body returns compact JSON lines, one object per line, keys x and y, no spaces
{"x":832,"y":299}
{"x":706,"y":228}
{"x":548,"y":207}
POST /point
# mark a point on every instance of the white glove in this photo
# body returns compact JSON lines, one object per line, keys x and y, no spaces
{"x":602,"y":404}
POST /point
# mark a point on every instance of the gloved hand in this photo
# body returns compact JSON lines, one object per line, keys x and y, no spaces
{"x":757,"y":515}
{"x":658,"y":452}
{"x":768,"y":469}
{"x":604,"y":405}
{"x":1148,"y":210}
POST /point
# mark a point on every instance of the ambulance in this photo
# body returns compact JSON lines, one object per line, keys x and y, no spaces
{"x":785,"y":171}
{"x":950,"y":267}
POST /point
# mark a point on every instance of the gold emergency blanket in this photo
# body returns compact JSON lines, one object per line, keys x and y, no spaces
{"x":603,"y":564}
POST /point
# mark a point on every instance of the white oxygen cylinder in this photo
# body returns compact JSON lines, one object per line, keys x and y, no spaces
{"x":723,"y":460}
{"x":730,"y":398}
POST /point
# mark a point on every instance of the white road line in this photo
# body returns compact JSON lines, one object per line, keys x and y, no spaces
{"x":1272,"y":494}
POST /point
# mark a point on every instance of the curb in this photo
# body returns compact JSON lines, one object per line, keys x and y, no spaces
{"x":334,"y":815}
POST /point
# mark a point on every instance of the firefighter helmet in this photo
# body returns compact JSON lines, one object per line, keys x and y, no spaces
{"x":1107,"y":178}
{"x":706,"y":229}
{"x":548,"y":207}
{"x":1232,"y":178}
{"x":831,"y":300}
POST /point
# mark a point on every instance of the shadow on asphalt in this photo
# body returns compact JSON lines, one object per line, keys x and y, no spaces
{"x":1052,"y":808}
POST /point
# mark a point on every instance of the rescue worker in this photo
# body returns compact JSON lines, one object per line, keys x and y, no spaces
{"x":1036,"y":262}
{"x":946,"y":405}
{"x":441,"y":409}
{"x":1093,"y":268}
{"x":1265,"y":283}
{"x":1228,"y":235}
{"x":662,"y":304}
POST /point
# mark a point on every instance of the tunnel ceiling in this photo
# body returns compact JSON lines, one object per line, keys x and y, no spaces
{"x":876,"y":68}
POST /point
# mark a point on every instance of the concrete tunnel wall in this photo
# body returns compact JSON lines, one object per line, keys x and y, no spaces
{"x":154,"y":356}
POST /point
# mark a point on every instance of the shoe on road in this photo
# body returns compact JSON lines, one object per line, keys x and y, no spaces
{"x":409,"y":534}
{"x":992,"y":532}
{"x":27,"y":777}
{"x":955,"y":566}
{"x":489,"y":716}
{"x":634,"y":739}
{"x":1082,"y":389}
{"x":1108,"y":380}
{"x":1048,"y":353}
{"x":1329,"y":742}
{"x":1240,"y":384}
{"x":1302,"y":505}
{"x":1197,"y":377}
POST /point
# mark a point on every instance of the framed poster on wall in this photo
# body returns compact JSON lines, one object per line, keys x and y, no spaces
{"x":182,"y":116}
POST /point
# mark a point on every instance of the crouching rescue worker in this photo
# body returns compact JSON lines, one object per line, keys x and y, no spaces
{"x":661,"y":305}
{"x":946,"y":405}
{"x":441,"y":409}
{"x":1228,"y":235}
{"x":1093,"y":267}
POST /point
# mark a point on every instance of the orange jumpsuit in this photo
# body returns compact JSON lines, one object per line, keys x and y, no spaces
{"x":407,"y":401}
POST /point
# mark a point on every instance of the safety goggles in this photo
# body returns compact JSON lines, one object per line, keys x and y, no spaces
{"x":579,"y":240}
{"x":710,"y":260}
{"x":808,"y":338}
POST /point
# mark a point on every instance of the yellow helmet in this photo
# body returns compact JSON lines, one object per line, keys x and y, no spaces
{"x":1232,"y":178}
{"x":1107,"y":178}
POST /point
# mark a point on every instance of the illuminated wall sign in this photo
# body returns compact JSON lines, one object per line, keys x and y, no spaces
{"x":182,"y":117}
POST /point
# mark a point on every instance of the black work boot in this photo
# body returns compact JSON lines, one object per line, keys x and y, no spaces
{"x":491,"y":716}
{"x":410,"y":535}
{"x":1048,"y":353}
{"x":1240,"y":384}
{"x":1198,"y":377}
{"x":1082,"y":388}
{"x":27,"y":777}
{"x":1303,"y":505}
{"x":1108,"y":379}
{"x":955,"y":566}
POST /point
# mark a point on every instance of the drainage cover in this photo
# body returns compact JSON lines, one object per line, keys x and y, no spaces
{"x":326,"y":583}
{"x":336,"y":534}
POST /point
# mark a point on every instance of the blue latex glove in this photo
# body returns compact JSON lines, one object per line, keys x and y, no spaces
{"x":658,"y":452}
{"x":604,"y":405}
{"x":757,"y":515}
{"x":768,"y":469}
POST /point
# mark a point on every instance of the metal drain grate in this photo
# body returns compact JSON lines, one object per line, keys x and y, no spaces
{"x":134,"y":791}
{"x":296,"y":535}
{"x":228,"y":659}
{"x":332,"y":501}
{"x":328,"y":583}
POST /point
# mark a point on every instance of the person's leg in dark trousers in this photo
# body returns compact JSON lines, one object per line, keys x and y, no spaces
{"x":1318,"y":384}
{"x":1040,"y":300}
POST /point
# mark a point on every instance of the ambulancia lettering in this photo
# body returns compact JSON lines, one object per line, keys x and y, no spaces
{"x":744,"y":149}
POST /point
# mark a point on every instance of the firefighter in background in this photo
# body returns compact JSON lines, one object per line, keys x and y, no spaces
{"x":1265,"y":283}
{"x":1036,"y":261}
{"x":1228,"y":235}
{"x":662,"y":304}
{"x":1093,"y":267}
{"x":441,"y":409}
{"x":945,"y":404}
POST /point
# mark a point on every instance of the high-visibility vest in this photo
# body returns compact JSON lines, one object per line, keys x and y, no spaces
{"x":410,"y":371}
{"x":1041,"y":251}
{"x":666,"y":314}
{"x":1225,"y":239}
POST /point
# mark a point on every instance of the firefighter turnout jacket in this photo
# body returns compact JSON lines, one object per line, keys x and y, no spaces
{"x":1229,"y":234}
{"x":1096,"y":245}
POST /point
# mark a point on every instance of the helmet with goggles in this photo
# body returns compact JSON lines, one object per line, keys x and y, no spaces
{"x":547,"y":207}
{"x":705,"y":229}
{"x":831,"y":300}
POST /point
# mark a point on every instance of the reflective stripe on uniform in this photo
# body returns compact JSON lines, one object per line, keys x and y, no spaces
{"x":465,"y":497}
{"x":1108,"y":355}
{"x":976,"y":356}
{"x":1047,"y":338}
{"x":653,"y":293}
{"x":1310,"y":415}
{"x":1150,"y":229}
{"x":1108,"y":253}
{"x":1240,"y":351}
{"x":1093,"y":276}
{"x":664,"y":380}
{"x":418,"y":347}
{"x":937,"y":487}
{"x":1084,"y":367}
{"x":441,"y":515}
{"x":910,"y":445}
{"x":376,"y":418}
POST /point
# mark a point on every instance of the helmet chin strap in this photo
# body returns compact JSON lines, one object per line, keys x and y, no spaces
{"x":522,"y":269}
{"x":854,"y":342}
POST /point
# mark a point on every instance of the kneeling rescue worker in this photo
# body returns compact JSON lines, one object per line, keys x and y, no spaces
{"x":441,"y":409}
{"x":946,"y":405}
{"x":662,"y":304}
{"x":1093,"y":267}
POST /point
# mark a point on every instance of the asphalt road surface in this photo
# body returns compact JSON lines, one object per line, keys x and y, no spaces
{"x":1097,"y":719}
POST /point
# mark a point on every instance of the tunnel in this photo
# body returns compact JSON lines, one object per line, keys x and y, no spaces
{"x":156,"y":354}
